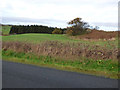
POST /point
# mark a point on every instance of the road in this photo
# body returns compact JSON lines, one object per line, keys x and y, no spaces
{"x":16,"y":75}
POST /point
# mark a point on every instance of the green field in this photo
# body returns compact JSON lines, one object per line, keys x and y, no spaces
{"x":5,"y":30}
{"x":38,"y":38}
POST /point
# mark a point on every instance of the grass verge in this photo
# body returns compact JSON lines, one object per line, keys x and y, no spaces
{"x":108,"y":68}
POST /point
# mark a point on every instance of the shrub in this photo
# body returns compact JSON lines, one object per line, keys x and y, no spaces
{"x":88,"y":31}
{"x":70,"y":32}
{"x":64,"y":32}
{"x":74,"y":31}
{"x":57,"y":31}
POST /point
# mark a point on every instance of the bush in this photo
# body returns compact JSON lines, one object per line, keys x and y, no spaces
{"x":88,"y":31}
{"x":57,"y":31}
{"x":73,"y":31}
{"x":64,"y":32}
{"x":70,"y":32}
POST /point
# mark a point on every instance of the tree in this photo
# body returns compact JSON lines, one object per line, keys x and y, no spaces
{"x":78,"y":26}
{"x":75,"y":21}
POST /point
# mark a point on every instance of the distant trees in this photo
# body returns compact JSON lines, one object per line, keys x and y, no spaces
{"x":21,"y":29}
{"x":77,"y":26}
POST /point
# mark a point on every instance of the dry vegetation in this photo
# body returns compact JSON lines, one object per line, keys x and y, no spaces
{"x":70,"y":51}
{"x":99,"y":34}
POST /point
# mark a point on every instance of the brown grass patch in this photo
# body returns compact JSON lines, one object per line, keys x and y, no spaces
{"x":99,"y":34}
{"x":61,"y":50}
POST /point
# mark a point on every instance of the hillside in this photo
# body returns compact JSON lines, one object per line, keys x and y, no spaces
{"x":100,"y":34}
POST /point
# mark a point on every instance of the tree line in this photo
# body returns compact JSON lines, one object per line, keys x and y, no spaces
{"x":77,"y":27}
{"x":21,"y":29}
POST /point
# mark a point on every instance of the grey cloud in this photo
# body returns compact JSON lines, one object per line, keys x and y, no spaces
{"x":29,"y":20}
{"x":75,"y":2}
{"x":106,"y":24}
{"x":49,"y":21}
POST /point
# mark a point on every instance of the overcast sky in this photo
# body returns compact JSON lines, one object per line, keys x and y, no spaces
{"x":56,"y":13}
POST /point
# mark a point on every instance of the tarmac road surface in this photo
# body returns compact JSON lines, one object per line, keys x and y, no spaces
{"x":16,"y":75}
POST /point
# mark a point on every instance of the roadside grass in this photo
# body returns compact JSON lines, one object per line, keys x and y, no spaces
{"x":6,"y":30}
{"x":38,"y":38}
{"x":105,"y":68}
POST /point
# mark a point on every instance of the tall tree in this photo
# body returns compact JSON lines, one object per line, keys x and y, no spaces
{"x":78,"y":26}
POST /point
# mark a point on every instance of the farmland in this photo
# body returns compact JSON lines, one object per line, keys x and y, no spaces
{"x":72,"y":53}
{"x":37,"y":38}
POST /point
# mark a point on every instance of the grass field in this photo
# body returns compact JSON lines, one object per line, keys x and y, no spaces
{"x":6,"y":30}
{"x":38,"y":38}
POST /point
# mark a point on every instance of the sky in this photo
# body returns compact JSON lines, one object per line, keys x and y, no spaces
{"x":56,"y":13}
